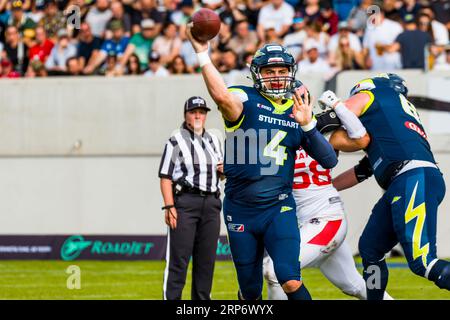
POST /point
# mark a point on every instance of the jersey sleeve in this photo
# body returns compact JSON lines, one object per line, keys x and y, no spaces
{"x":319,"y":148}
{"x":231,"y":126}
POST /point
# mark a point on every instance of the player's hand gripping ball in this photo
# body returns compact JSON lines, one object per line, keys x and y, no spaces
{"x":205,"y":25}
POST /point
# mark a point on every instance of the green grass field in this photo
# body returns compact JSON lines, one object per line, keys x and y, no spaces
{"x":143,"y":280}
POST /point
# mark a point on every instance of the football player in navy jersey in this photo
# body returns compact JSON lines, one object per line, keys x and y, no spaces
{"x":265,"y":125}
{"x":400,"y":158}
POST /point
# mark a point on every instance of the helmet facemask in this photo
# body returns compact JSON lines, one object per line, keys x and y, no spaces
{"x":275,"y":87}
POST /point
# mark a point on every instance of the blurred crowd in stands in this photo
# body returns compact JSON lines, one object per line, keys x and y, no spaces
{"x":40,"y":38}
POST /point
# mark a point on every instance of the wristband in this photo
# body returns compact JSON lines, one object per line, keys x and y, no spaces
{"x":311,"y":125}
{"x":203,"y":58}
{"x":168,"y":207}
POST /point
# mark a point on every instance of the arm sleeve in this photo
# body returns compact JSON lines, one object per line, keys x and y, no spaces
{"x":351,"y":122}
{"x":363,"y":170}
{"x":319,"y":148}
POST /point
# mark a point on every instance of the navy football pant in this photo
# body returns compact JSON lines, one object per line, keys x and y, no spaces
{"x":250,"y":230}
{"x":407,"y":213}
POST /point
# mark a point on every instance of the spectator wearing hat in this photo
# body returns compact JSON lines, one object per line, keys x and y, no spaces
{"x":98,"y":17}
{"x":116,"y":45}
{"x":278,"y":14}
{"x":294,"y":40}
{"x":42,"y":47}
{"x":411,"y":44}
{"x":147,"y":10}
{"x":190,"y":171}
{"x":18,"y":17}
{"x":141,"y":43}
{"x":88,"y":46}
{"x":53,"y":19}
{"x":328,"y":18}
{"x":118,"y":13}
{"x":155,"y":68}
{"x":168,"y":44}
{"x":313,"y":63}
{"x":61,"y":52}
{"x":15,"y":50}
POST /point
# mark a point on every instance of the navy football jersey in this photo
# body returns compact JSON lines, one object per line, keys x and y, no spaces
{"x":395,"y":129}
{"x":260,"y":149}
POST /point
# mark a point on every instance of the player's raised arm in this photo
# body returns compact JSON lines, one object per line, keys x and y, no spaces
{"x":314,"y":143}
{"x":355,"y":136}
{"x":229,"y":105}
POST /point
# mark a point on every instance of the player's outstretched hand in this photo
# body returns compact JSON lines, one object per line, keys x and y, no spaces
{"x":197,"y":45}
{"x":302,"y":109}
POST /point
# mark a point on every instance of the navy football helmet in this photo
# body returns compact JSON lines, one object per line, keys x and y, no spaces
{"x":273,"y":55}
{"x":390,"y":79}
{"x":398,"y":84}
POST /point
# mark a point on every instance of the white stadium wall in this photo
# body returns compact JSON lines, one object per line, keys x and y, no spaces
{"x":81,"y":155}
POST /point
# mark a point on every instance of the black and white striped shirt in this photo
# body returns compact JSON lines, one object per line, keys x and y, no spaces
{"x":193,"y":158}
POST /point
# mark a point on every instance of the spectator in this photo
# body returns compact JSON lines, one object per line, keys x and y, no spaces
{"x":311,"y":12}
{"x":228,"y":61}
{"x":109,"y":69}
{"x":278,"y":14}
{"x":294,"y":41}
{"x":41,"y":50}
{"x":313,"y":63}
{"x":189,"y":55}
{"x":244,"y":39}
{"x":391,"y":10}
{"x":37,"y":11}
{"x":8,"y":70}
{"x":220,"y":42}
{"x":18,"y":17}
{"x":411,"y":45}
{"x":182,"y":16}
{"x":383,"y":33}
{"x":168,"y":44}
{"x":345,"y":58}
{"x":141,"y":43}
{"x":73,"y":67}
{"x":53,"y":20}
{"x":88,"y":46}
{"x":357,"y":19}
{"x":409,"y":10}
{"x":118,"y":13}
{"x":271,"y":35}
{"x":314,"y":31}
{"x":438,"y":31}
{"x":117,"y":45}
{"x":178,"y":66}
{"x":441,"y":10}
{"x":36,"y":69}
{"x":98,"y":17}
{"x":328,"y":18}
{"x":133,"y":65}
{"x":230,"y":13}
{"x":446,"y":64}
{"x":155,"y":67}
{"x":344,"y":31}
{"x":61,"y":52}
{"x":15,"y":50}
{"x":147,"y":10}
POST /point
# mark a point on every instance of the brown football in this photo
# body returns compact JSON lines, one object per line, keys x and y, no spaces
{"x":206,"y":24}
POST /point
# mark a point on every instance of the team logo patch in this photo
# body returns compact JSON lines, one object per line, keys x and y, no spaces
{"x":274,"y":48}
{"x":235,"y":227}
{"x":285,"y":208}
{"x":416,"y":128}
{"x":282,"y":196}
{"x":229,"y":218}
{"x":198,"y":101}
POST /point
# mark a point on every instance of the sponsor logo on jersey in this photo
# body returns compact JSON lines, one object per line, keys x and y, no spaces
{"x":262,"y":106}
{"x":276,"y":121}
{"x":285,"y":209}
{"x":334,"y":200}
{"x":229,"y":218}
{"x":235,"y":227}
{"x":416,"y":128}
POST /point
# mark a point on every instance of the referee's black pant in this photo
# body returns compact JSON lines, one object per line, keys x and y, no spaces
{"x":196,"y":235}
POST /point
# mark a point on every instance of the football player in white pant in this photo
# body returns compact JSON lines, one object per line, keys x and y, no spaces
{"x":323,"y":225}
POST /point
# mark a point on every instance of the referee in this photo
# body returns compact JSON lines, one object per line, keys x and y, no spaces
{"x":190,"y":171}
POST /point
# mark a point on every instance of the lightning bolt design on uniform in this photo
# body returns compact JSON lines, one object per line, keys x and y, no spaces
{"x":418,"y":212}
